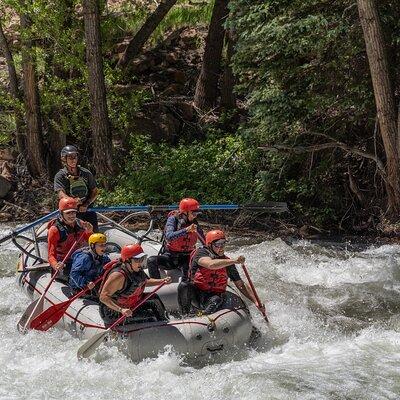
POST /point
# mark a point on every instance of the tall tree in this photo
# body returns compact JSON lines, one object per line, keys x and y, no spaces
{"x":384,"y":97}
{"x":34,"y":138}
{"x":14,"y":90}
{"x":228,"y":99}
{"x":102,"y":140}
{"x":207,"y":84}
{"x":141,"y":37}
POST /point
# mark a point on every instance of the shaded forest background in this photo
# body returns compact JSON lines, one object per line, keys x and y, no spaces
{"x":234,"y":101}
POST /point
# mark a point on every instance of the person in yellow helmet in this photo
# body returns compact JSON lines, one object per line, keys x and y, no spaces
{"x":88,"y":263}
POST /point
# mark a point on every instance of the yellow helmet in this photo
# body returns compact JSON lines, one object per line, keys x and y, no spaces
{"x":97,"y":238}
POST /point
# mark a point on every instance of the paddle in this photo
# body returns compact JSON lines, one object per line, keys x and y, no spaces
{"x":258,"y":304}
{"x":53,"y":314}
{"x":90,"y":346}
{"x":36,"y":307}
{"x":269,"y":206}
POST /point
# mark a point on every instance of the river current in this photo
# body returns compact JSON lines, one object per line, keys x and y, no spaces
{"x":335,"y":316}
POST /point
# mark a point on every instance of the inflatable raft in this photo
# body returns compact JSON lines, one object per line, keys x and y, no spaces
{"x":192,"y":337}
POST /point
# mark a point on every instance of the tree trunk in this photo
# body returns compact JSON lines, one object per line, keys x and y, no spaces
{"x":102,"y":141}
{"x":384,"y":97}
{"x":228,"y":99}
{"x":34,"y":140}
{"x":57,"y":137}
{"x":141,"y":37}
{"x":14,"y":90}
{"x":207,"y":83}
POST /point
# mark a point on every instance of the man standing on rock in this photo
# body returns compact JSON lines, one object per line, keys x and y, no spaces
{"x":77,"y":182}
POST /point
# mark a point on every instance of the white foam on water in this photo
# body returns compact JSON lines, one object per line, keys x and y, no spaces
{"x":304,"y":358}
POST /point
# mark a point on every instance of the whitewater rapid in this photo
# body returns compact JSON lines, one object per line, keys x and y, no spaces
{"x":336,"y":335}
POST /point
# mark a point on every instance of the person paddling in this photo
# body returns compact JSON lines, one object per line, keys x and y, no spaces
{"x":123,"y":286}
{"x":209,"y":272}
{"x":63,"y":232}
{"x":87,"y":264}
{"x":77,"y":182}
{"x":181,"y":234}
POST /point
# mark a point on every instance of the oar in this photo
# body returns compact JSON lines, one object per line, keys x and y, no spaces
{"x":53,"y":314}
{"x":16,"y":232}
{"x":90,"y":346}
{"x":269,"y":206}
{"x":255,"y":293}
{"x":36,"y":307}
{"x":35,"y":267}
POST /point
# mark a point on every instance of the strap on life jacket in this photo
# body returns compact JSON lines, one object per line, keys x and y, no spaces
{"x":63,"y":229}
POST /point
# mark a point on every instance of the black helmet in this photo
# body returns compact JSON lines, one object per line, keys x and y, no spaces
{"x":67,"y":150}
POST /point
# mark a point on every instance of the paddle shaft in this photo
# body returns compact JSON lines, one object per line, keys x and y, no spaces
{"x":119,"y":320}
{"x":253,"y":289}
{"x":53,"y":314}
{"x":52,"y":280}
{"x":91,"y":344}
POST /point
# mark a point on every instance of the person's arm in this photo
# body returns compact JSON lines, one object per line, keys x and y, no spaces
{"x":154,"y":281}
{"x":92,"y":197}
{"x":209,"y":263}
{"x":81,"y":264}
{"x":114,"y":282}
{"x":61,"y":185}
{"x":53,"y":237}
{"x":170,"y":230}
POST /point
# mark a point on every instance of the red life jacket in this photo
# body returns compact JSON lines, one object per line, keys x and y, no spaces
{"x":68,"y":236}
{"x":131,"y":292}
{"x":209,"y":280}
{"x":183,"y":244}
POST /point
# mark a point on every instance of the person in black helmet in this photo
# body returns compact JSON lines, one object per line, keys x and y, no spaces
{"x":78,"y":182}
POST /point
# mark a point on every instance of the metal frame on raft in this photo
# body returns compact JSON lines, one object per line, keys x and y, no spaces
{"x":274,"y":207}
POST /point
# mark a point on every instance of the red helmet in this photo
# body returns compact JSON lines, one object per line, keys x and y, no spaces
{"x":212,"y":236}
{"x":68,"y":204}
{"x":189,"y":204}
{"x":132,"y":251}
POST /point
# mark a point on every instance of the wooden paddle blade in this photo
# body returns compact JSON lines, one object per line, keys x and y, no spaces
{"x":90,"y":346}
{"x":31,"y":312}
{"x":49,"y":317}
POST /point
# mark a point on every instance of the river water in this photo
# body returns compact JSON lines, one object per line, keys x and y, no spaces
{"x":336,"y":335}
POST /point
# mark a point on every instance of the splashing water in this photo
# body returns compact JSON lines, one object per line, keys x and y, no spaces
{"x":335,"y":335}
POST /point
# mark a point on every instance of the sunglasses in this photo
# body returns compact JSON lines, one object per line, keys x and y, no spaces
{"x":72,"y":156}
{"x":219,"y":243}
{"x":70,"y":212}
{"x":140,"y":259}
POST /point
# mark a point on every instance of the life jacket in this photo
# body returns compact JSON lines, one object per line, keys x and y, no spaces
{"x":131,"y":292}
{"x":97,"y":261}
{"x":68,"y":235}
{"x":183,"y":244}
{"x":77,"y":186}
{"x":209,"y":280}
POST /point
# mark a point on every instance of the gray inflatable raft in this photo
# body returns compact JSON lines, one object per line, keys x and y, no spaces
{"x":198,"y":336}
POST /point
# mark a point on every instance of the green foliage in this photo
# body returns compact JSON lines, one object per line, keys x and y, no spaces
{"x":303,"y":69}
{"x":220,"y":169}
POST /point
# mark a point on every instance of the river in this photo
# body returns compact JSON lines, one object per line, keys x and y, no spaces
{"x":335,"y":335}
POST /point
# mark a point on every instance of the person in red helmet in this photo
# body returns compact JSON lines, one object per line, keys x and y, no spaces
{"x":63,"y":232}
{"x":180,"y":237}
{"x":210,"y":270}
{"x":123,"y":286}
